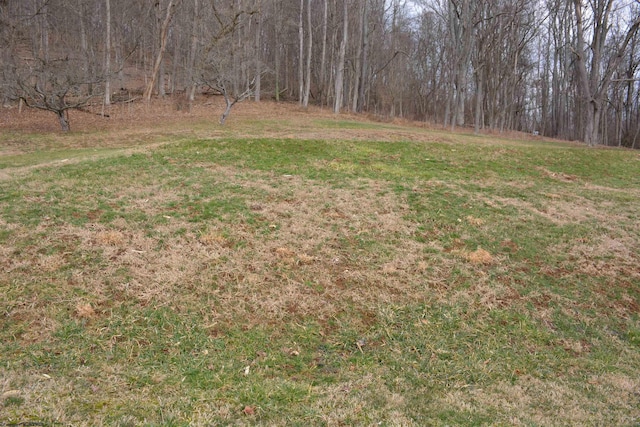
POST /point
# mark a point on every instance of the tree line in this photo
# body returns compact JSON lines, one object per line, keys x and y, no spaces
{"x":558,"y":68}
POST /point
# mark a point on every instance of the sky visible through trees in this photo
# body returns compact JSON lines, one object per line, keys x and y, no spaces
{"x":560,"y":68}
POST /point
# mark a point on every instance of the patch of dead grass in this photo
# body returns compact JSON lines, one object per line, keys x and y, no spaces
{"x":480,"y":256}
{"x":605,"y":256}
{"x":350,"y":400}
{"x":560,"y":212}
{"x":329,"y":249}
{"x":110,"y":238}
{"x":214,"y":238}
{"x":544,"y":402}
{"x":474,"y":221}
{"x":560,"y":176}
{"x":84,"y":310}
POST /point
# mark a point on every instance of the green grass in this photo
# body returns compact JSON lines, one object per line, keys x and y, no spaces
{"x":281,"y":281}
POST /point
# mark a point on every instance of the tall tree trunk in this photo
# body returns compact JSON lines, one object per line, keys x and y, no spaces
{"x":118,"y":43}
{"x":307,"y":83}
{"x":191,"y":88}
{"x":341,"y":56}
{"x":159,"y":57}
{"x":45,"y":31}
{"x":64,"y":121}
{"x":160,"y":90}
{"x":544,"y":98}
{"x":365,"y":53}
{"x":447,"y":106}
{"x":177,"y":52}
{"x":107,"y":61}
{"x":276,"y":58}
{"x":629,"y":90}
{"x":301,"y":55}
{"x":356,"y":72}
{"x":323,"y":55}
{"x":392,"y":75}
{"x":258,"y":50}
{"x":460,"y":24}
{"x":592,"y":123}
{"x":594,"y":84}
{"x":84,"y":43}
{"x":479,"y":116}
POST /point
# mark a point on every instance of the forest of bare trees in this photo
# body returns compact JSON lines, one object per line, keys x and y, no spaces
{"x":559,"y":68}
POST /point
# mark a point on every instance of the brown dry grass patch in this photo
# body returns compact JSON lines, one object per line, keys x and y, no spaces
{"x":308,"y":265}
{"x":551,"y":401}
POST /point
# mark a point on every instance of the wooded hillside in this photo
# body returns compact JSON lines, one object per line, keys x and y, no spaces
{"x":566,"y":69}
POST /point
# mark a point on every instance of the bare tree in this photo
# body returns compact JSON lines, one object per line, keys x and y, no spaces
{"x":307,"y":79}
{"x":221,"y":65}
{"x":107,"y":62}
{"x":232,"y":100}
{"x":258,"y":54}
{"x":42,"y":75}
{"x":595,"y":70}
{"x":461,"y":21}
{"x":191,"y":61}
{"x":163,"y":44}
{"x":7,"y":34}
{"x":359,"y":101}
{"x":54,"y":85}
{"x":323,"y":55}
{"x":357,"y":72}
{"x":339,"y":83}
{"x":300,"y":54}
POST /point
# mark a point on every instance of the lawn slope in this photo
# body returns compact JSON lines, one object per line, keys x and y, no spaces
{"x":305,"y":270}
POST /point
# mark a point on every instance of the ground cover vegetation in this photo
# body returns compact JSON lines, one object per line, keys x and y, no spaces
{"x":303,"y":269}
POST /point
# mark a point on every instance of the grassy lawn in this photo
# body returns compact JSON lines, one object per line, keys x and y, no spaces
{"x":386,"y":275}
